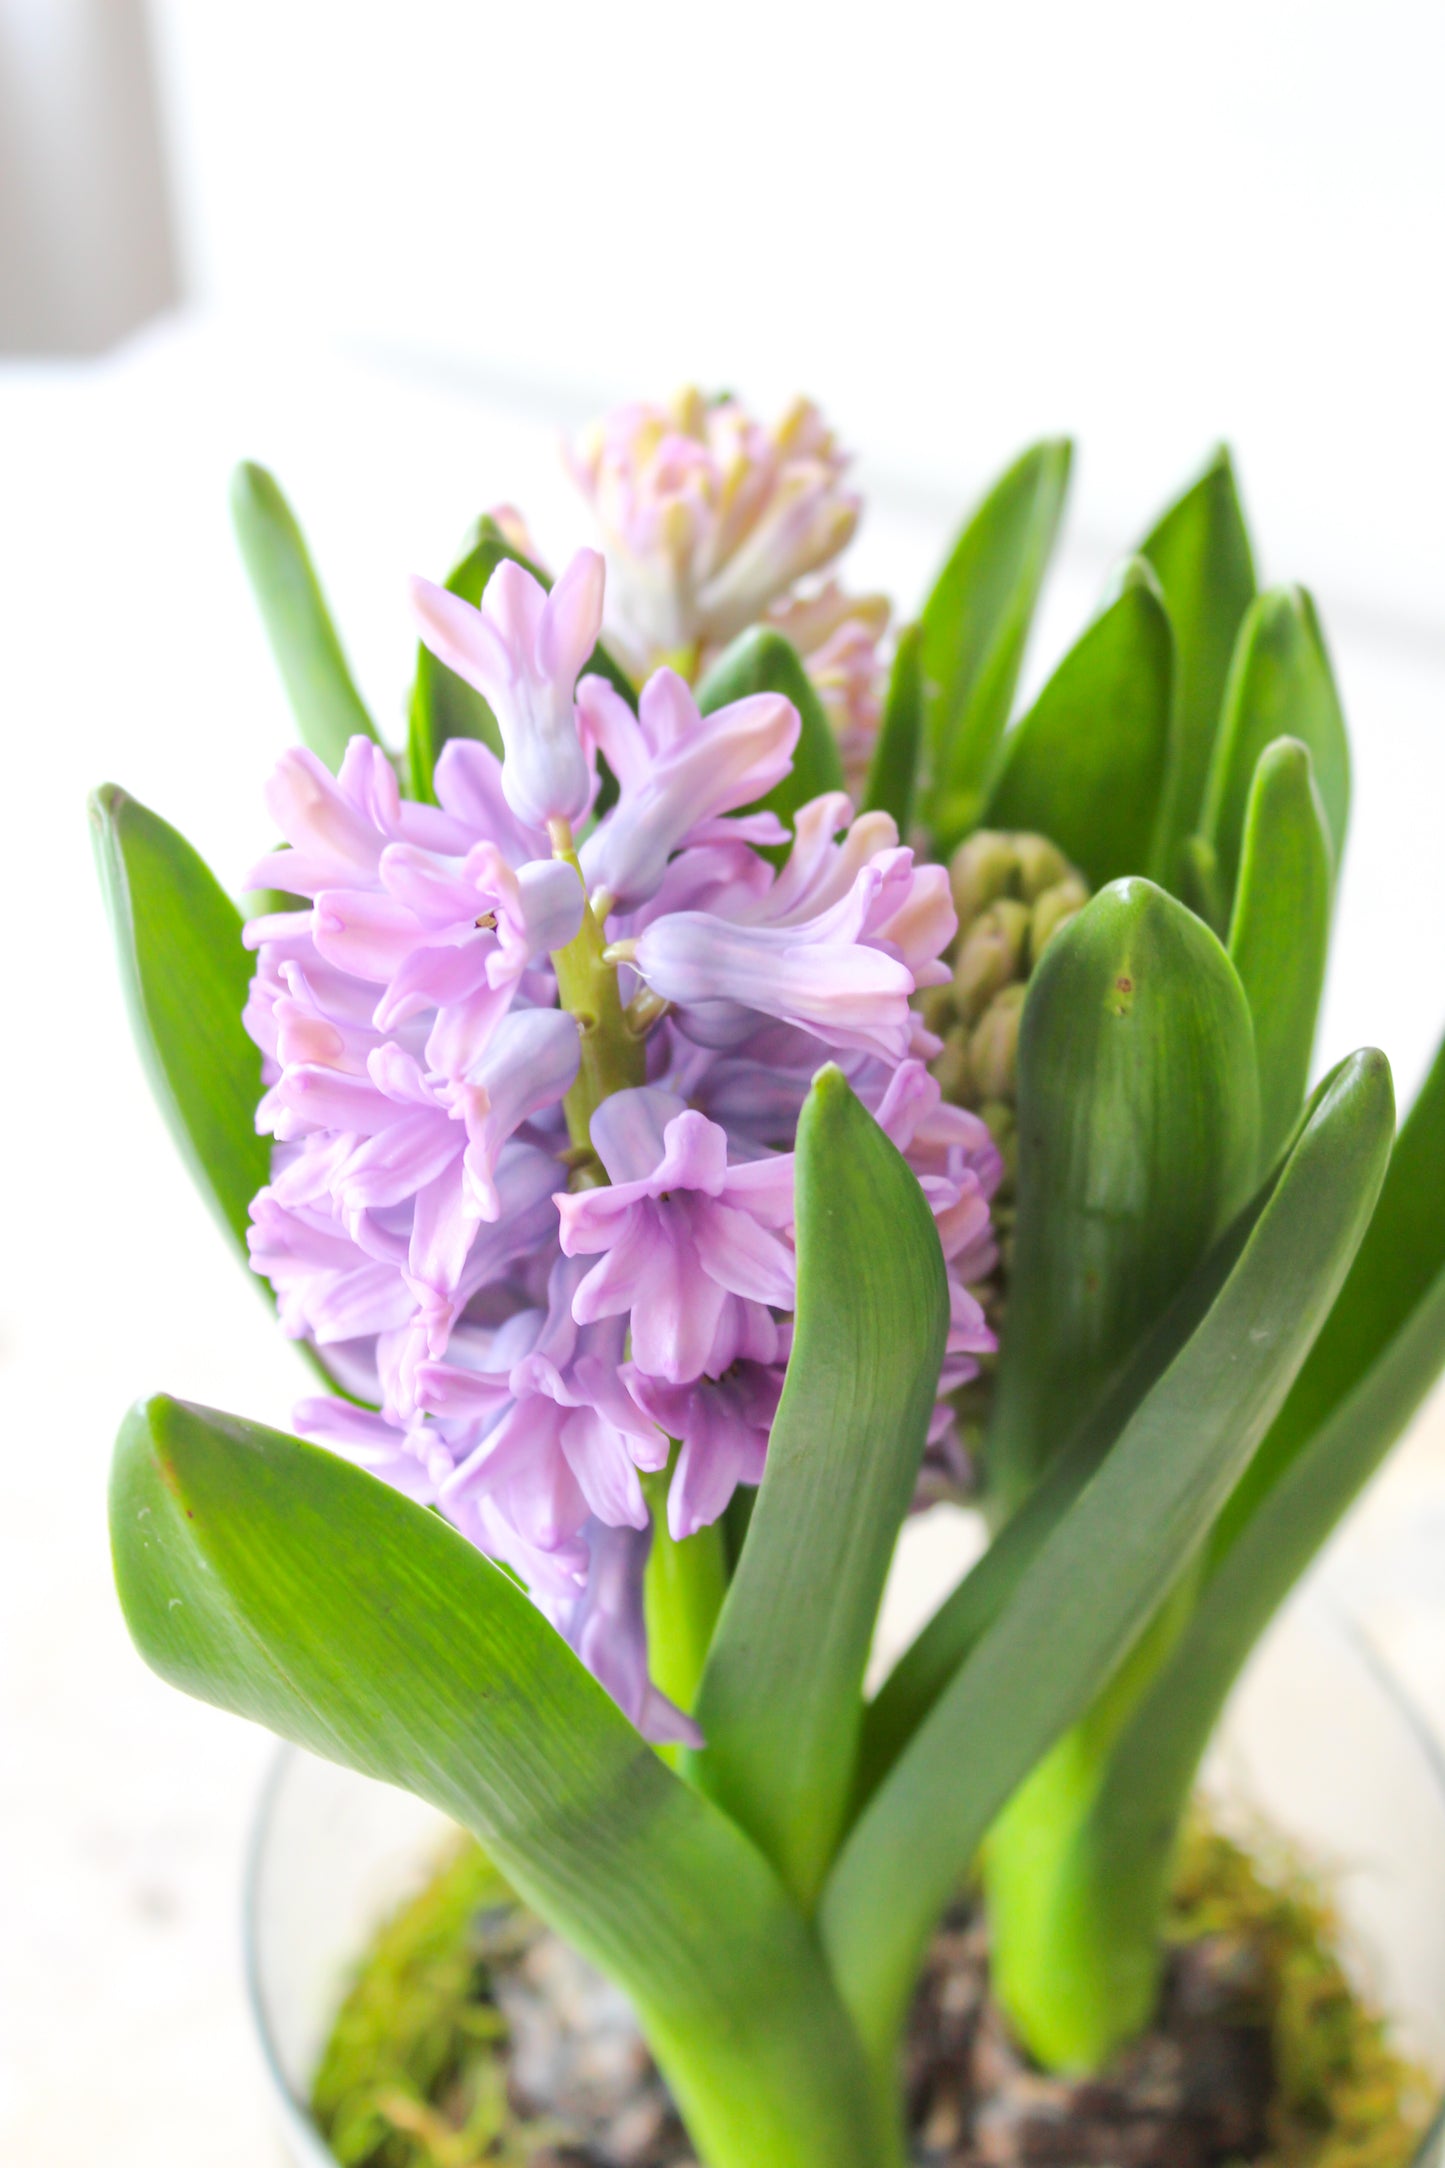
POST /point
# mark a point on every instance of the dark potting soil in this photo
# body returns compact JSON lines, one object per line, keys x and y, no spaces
{"x":475,"y":2036}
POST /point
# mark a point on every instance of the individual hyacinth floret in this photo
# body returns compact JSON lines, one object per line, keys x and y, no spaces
{"x":534,"y":1079}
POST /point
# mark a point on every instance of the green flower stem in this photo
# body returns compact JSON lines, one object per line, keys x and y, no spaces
{"x":683,"y":1593}
{"x":613,"y":1055}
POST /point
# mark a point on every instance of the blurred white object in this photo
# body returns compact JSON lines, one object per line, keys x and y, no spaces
{"x":956,"y":226}
{"x":85,"y":243}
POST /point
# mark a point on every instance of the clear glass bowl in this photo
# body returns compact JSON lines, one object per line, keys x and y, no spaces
{"x":1319,"y":1743}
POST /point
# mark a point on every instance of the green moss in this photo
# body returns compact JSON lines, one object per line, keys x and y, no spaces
{"x":1344,"y":2097}
{"x":414,"y":2072}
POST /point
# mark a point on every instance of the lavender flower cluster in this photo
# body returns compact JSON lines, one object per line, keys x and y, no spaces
{"x":534,"y":1072}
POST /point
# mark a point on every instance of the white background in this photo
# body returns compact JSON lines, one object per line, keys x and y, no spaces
{"x":418,"y":240}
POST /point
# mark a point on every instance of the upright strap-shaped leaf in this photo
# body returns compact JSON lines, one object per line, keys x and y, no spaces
{"x":761,"y":660}
{"x":1200,"y":550}
{"x":273,"y":1579}
{"x":927,"y":1665}
{"x":1374,"y":1360}
{"x":1280,"y":933}
{"x":893,"y":771}
{"x":443,"y":705}
{"x":1101,"y":1576}
{"x":781,"y":1700}
{"x":1280,"y":685}
{"x":1138,"y":1130}
{"x":185,"y":974}
{"x":1379,"y":1353}
{"x":329,"y":711}
{"x":1087,"y":766}
{"x":1396,"y":1273}
{"x":975,"y":626}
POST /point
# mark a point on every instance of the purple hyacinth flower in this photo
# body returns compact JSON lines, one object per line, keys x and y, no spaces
{"x":678,"y":772}
{"x":723,"y":1425}
{"x":688,"y":1246}
{"x":821,"y":974}
{"x":523,"y":651}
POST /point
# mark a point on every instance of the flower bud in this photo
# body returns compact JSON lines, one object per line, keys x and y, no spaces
{"x":1012,"y":894}
{"x":1054,"y":908}
{"x":1041,"y":865}
{"x":990,"y":955}
{"x":983,"y":868}
{"x":994,"y":1045}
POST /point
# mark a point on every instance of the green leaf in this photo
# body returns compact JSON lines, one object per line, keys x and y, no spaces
{"x":893,"y":771}
{"x":273,"y":1579}
{"x":1138,"y":1130}
{"x":762,"y":661}
{"x":443,"y":705}
{"x":1396,"y":1273}
{"x":1379,"y":1353}
{"x":1200,"y":550}
{"x":1280,"y":685}
{"x":1279,"y":936}
{"x":781,"y":1702}
{"x":975,"y":626}
{"x":1099,"y":1578}
{"x":329,"y":711}
{"x":186,"y":977}
{"x":964,"y":1617}
{"x":1087,"y":765}
{"x":1196,"y":882}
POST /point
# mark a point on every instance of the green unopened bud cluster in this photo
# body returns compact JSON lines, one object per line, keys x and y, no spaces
{"x":1012,"y":893}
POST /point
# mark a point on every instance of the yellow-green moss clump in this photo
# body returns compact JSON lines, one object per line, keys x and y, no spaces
{"x":1344,"y":2098}
{"x":414,"y":2074}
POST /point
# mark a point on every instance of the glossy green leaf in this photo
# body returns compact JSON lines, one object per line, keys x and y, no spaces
{"x":1087,"y":765}
{"x":329,"y":710}
{"x":762,"y":661}
{"x":1379,"y":1353}
{"x":1138,"y":1131}
{"x":1279,"y":935}
{"x":186,"y":976}
{"x":1397,"y":1271}
{"x":1196,"y":882}
{"x":975,"y":627}
{"x":964,"y":1617}
{"x":274,"y":1579}
{"x":1108,"y":1564}
{"x":781,"y":1702}
{"x":1200,"y":550}
{"x":1280,"y":685}
{"x":443,"y":705}
{"x":893,"y":772}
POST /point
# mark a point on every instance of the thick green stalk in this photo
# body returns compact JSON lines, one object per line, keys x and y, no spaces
{"x":613,"y":1055}
{"x":684,"y":1591}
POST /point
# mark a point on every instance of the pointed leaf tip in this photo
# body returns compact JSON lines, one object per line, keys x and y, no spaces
{"x":329,"y":710}
{"x":185,"y":975}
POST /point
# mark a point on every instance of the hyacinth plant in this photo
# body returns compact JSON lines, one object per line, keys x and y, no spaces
{"x":722,"y":1085}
